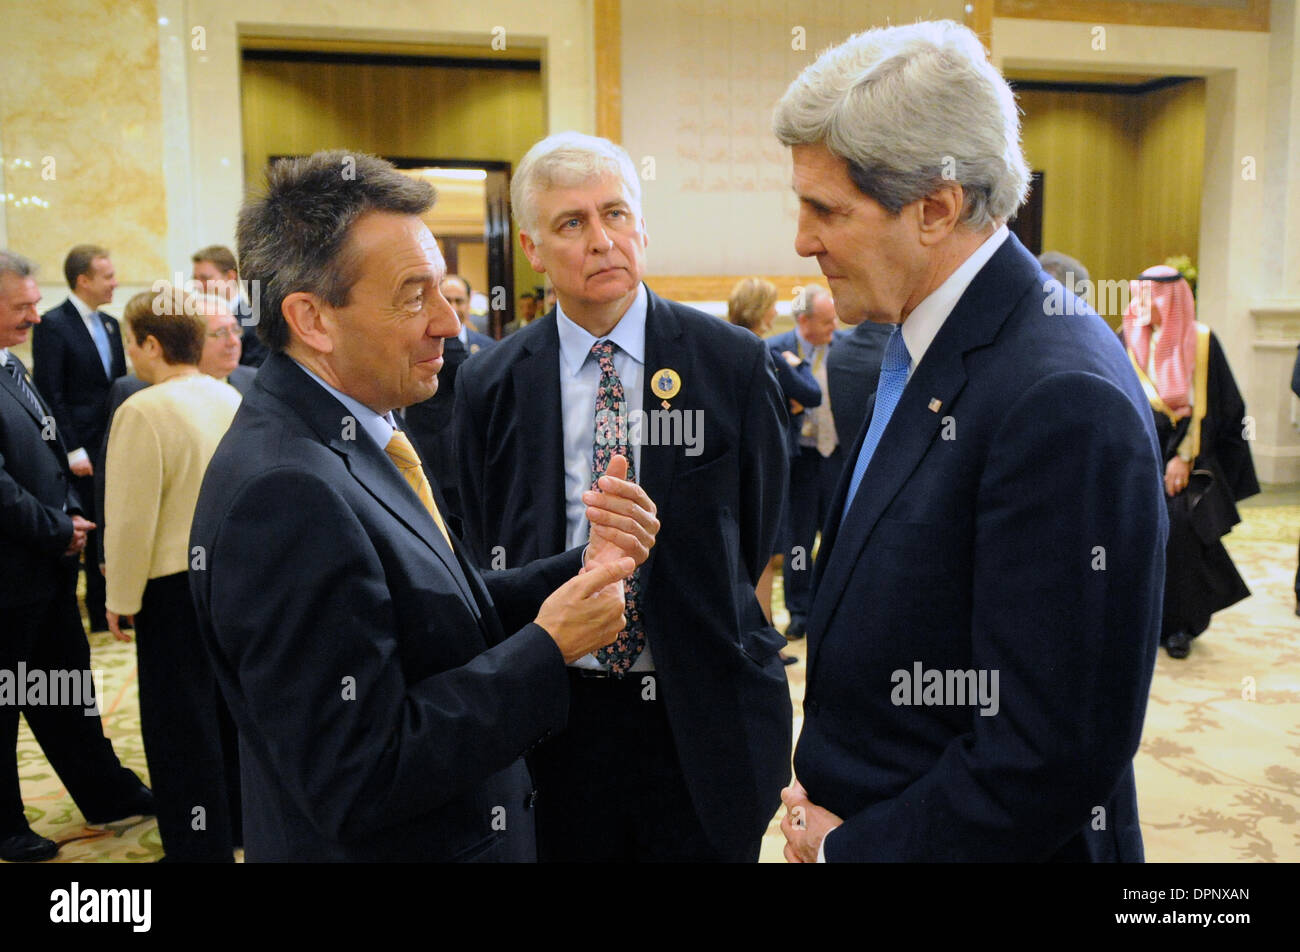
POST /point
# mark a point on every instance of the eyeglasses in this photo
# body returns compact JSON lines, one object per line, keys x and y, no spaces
{"x":236,"y":332}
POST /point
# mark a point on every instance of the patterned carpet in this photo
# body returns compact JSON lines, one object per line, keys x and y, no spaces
{"x":1217,"y":770}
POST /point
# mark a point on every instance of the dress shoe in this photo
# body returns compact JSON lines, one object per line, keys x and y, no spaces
{"x":788,"y":660}
{"x":27,"y":847}
{"x":1179,"y":644}
{"x":794,"y":631}
{"x":140,"y":803}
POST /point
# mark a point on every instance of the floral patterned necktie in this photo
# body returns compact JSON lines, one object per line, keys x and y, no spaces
{"x":611,"y":439}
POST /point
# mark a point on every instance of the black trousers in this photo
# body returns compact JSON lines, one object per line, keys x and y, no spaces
{"x":48,"y":637}
{"x":610,"y":788}
{"x":85,"y":486}
{"x":189,"y":738}
{"x":813,"y":478}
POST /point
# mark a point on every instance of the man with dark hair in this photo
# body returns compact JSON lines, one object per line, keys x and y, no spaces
{"x":414,"y":684}
{"x":430,"y":421}
{"x":43,"y":528}
{"x":77,"y":352}
{"x":216,"y":271}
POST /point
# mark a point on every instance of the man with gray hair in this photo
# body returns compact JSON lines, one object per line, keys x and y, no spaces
{"x":1069,"y":271}
{"x":987,"y":603}
{"x":384,"y":691}
{"x":43,"y":530}
{"x":678,"y":741}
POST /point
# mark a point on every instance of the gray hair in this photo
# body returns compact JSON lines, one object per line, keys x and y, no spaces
{"x":910,"y":108}
{"x":806,"y":300}
{"x":13,"y":263}
{"x":1069,"y":271}
{"x":567,"y":160}
{"x":294,"y":237}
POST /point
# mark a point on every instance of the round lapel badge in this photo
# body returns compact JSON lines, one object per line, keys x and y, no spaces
{"x":666,"y":383}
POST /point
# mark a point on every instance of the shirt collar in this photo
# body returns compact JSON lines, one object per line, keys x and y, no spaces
{"x":463,"y":336}
{"x":4,"y":356}
{"x":84,"y":309}
{"x":379,"y":428}
{"x":628,"y":334}
{"x":924,"y":323}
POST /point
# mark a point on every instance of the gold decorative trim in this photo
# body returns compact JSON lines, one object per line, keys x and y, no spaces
{"x":607,"y":24}
{"x":1254,"y":17}
{"x":717,"y":287}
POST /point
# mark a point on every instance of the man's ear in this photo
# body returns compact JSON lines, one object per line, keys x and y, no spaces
{"x":530,"y":252}
{"x":940,"y":212}
{"x":308,"y":322}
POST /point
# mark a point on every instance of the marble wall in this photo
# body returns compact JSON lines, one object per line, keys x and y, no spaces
{"x":81,"y":135}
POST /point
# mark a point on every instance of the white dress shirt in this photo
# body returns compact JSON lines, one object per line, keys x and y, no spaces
{"x":579,"y":383}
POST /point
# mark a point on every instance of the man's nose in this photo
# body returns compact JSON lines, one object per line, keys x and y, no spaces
{"x":600,"y":240}
{"x":806,"y":242}
{"x":443,"y":321}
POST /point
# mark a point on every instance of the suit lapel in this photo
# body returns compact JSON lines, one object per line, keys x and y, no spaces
{"x":8,"y":382}
{"x":664,"y":348}
{"x":367,"y":463}
{"x":82,"y":336}
{"x":540,"y":418}
{"x":973,"y":323}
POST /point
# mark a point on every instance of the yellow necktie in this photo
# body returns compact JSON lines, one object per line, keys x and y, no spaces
{"x":402,"y":453}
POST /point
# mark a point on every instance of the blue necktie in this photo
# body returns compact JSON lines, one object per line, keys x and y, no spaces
{"x":893,"y":378}
{"x":100,"y":336}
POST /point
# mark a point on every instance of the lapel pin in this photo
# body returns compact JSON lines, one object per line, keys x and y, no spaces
{"x":666,"y":383}
{"x":474,"y":348}
{"x":935,"y":404}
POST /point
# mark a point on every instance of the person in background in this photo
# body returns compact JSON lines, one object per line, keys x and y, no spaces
{"x":1199,"y":416}
{"x":77,"y":352}
{"x":163,"y":437}
{"x":216,"y":271}
{"x":42,"y":531}
{"x":1069,"y":271}
{"x":752,"y":305}
{"x":815,"y":456}
{"x":429,"y":422}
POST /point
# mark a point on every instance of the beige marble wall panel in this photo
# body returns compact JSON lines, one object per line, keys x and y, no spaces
{"x":81,"y":135}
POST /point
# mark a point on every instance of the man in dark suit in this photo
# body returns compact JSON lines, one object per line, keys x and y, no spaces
{"x":384,"y":692}
{"x":679,"y":735}
{"x":430,"y":422}
{"x":77,"y":352}
{"x":42,"y":530}
{"x":216,"y":272}
{"x":987,"y":606}
{"x":817,"y":459}
{"x":852,"y":370}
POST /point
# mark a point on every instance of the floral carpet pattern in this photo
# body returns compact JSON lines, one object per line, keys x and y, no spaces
{"x":1218,"y":770}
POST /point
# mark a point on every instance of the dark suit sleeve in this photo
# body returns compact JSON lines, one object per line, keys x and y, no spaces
{"x":764,"y":465}
{"x":26,"y":520}
{"x":1067,"y":590}
{"x":518,"y":593}
{"x":314,"y":654}
{"x":49,"y":359}
{"x":797,"y":383}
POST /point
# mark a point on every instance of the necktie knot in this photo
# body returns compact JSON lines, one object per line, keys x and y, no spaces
{"x":402,"y":452}
{"x":603,"y":351}
{"x":896,"y":356}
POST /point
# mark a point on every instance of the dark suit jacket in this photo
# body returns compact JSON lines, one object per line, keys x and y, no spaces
{"x":71,"y":375}
{"x":36,"y":500}
{"x":1031,"y":544}
{"x":722,"y":684}
{"x":429,"y":422}
{"x":797,"y":383}
{"x":852,"y":371}
{"x":383,"y":712}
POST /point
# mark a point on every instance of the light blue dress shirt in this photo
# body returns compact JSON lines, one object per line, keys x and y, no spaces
{"x":579,"y":382}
